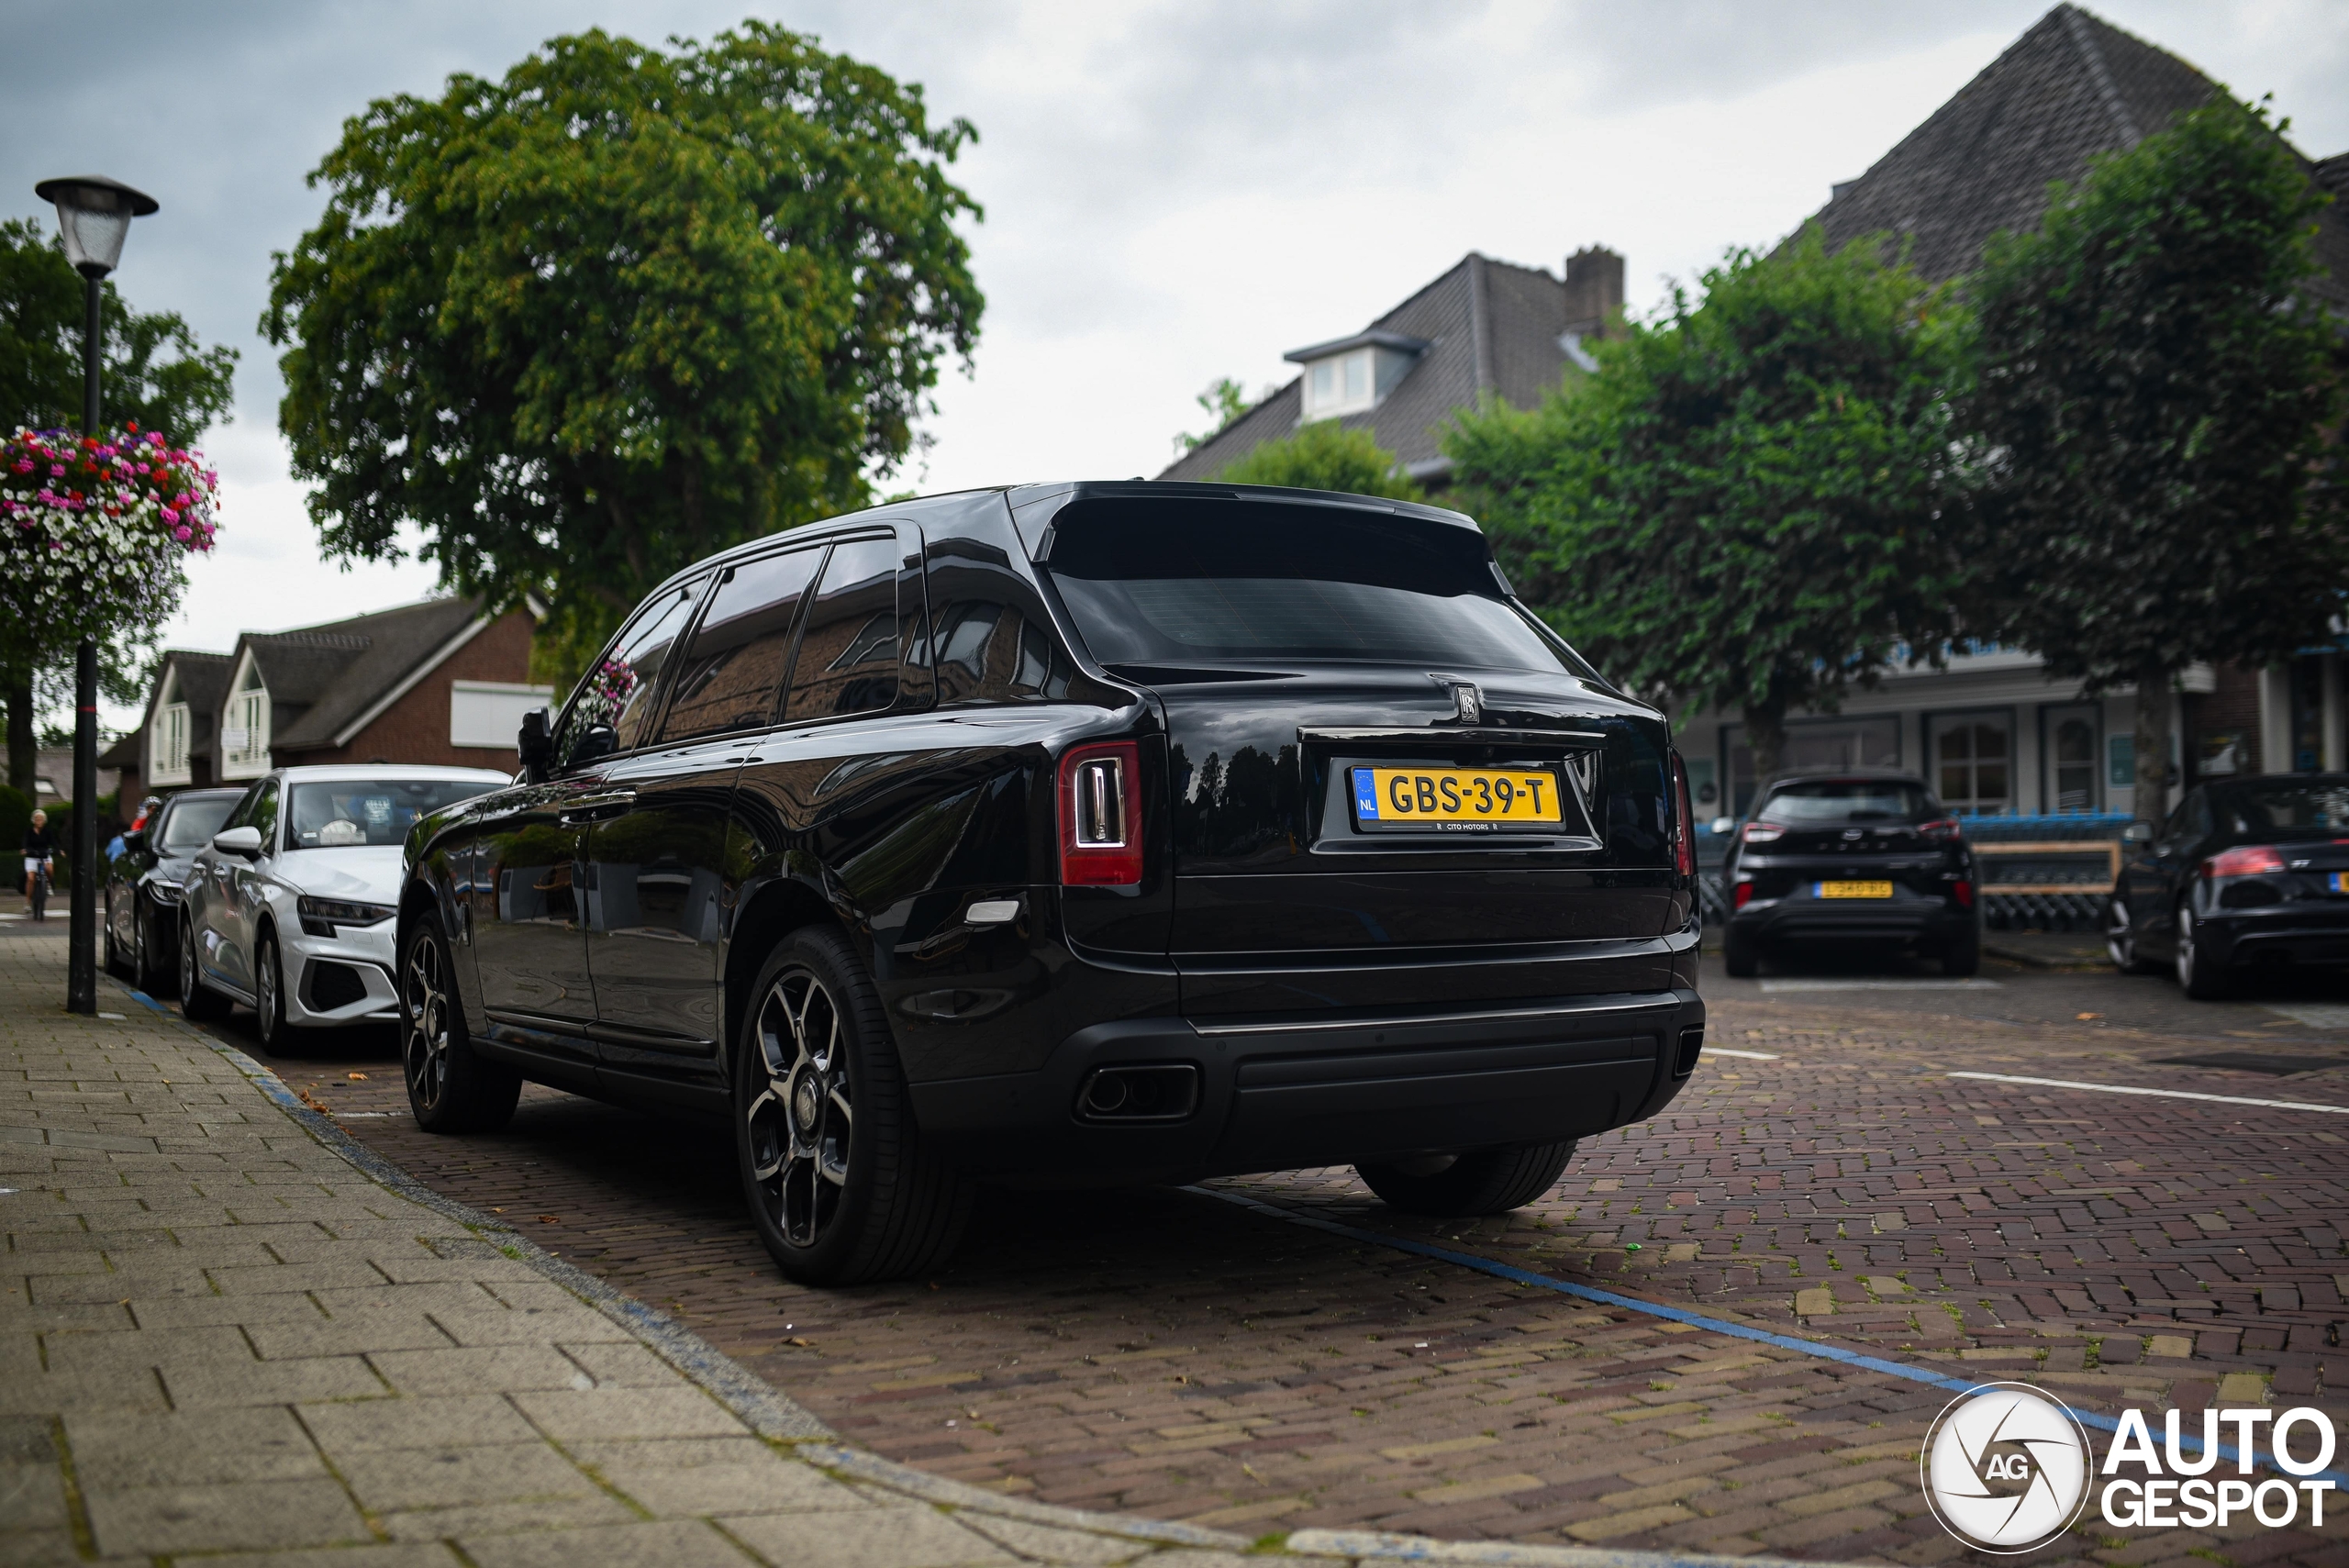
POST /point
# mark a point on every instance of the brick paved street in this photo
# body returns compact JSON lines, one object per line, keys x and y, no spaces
{"x":1165,"y":1353}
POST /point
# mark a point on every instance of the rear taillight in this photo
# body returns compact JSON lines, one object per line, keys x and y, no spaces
{"x":1964,"y":892}
{"x":1100,"y":815}
{"x":2244,"y":859}
{"x":1760,"y":832}
{"x":1941,"y":830}
{"x":1684,"y":822}
{"x":1743,"y":893}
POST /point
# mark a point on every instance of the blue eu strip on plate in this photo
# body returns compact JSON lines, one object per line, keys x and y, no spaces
{"x":1366,"y":794}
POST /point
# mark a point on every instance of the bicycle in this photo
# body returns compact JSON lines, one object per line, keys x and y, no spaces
{"x":36,"y":881}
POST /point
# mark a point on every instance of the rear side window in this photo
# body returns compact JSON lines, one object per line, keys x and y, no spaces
{"x":732,"y":673}
{"x":1848,"y":800}
{"x":848,"y":655}
{"x":2285,"y":811}
{"x":1185,"y":581}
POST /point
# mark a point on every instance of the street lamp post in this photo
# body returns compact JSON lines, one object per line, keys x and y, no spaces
{"x":95,"y":214}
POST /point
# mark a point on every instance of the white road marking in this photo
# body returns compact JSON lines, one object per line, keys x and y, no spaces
{"x":2315,"y":1014}
{"x":2157,"y":1093}
{"x":1770,"y":985}
{"x":1749,"y":1055}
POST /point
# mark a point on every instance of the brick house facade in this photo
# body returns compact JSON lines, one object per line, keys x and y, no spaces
{"x":438,"y":683}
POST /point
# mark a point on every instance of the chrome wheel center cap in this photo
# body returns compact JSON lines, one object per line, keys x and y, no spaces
{"x":805,"y":1100}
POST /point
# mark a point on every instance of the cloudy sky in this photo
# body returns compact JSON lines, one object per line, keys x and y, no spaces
{"x":1173,"y":191}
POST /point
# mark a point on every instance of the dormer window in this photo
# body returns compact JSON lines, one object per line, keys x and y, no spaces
{"x":1354,"y":374}
{"x":244,"y":727}
{"x":167,"y":737}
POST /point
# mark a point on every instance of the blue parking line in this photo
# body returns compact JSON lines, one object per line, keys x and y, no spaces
{"x":1695,"y":1319}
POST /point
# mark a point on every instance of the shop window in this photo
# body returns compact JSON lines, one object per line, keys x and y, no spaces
{"x":1974,"y":762}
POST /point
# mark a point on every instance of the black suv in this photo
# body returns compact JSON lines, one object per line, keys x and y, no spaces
{"x":1071,"y":833}
{"x":1866,"y":855}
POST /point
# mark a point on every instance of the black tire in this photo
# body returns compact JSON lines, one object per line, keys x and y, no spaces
{"x":2121,"y":939}
{"x":198,"y":1001}
{"x":833,"y":1167}
{"x":1740,"y":954}
{"x":1491,"y":1181}
{"x":1962,"y":957}
{"x":450,"y":1089}
{"x":142,"y":945}
{"x":269,"y":998}
{"x":2197,"y":975}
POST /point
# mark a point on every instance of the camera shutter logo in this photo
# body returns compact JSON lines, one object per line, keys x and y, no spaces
{"x":2006,"y":1468}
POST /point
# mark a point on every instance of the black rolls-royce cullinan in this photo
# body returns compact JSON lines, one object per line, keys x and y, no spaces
{"x":1075,"y":833}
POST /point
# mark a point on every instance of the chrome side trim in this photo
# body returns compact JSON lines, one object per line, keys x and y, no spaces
{"x":1577,"y":739}
{"x":1410,"y":1022}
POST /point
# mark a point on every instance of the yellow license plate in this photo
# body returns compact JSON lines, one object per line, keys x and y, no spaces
{"x":1852,"y":890}
{"x":1457,"y":799}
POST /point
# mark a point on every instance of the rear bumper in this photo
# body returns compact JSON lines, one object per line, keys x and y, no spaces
{"x":1290,"y":1091}
{"x":2318,"y":940}
{"x":1928,"y":922}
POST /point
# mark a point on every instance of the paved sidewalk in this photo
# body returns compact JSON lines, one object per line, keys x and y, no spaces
{"x":229,"y":1335}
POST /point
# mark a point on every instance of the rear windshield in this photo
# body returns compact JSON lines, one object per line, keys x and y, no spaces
{"x":188,"y":827}
{"x":1847,"y":800}
{"x":1188,"y":582}
{"x":2283,"y":810}
{"x":350,"y":812}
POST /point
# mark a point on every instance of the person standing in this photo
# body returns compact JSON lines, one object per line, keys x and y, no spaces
{"x":40,"y":863}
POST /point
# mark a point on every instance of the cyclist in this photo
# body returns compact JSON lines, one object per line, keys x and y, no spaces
{"x":40,"y":859}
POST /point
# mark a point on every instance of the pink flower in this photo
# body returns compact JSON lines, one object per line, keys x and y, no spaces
{"x":182,"y":532}
{"x":57,"y":470}
{"x":170,"y":516}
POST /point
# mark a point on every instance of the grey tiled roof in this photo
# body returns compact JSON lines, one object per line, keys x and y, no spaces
{"x":322,"y":677}
{"x":1492,"y":327}
{"x":2070,"y":87}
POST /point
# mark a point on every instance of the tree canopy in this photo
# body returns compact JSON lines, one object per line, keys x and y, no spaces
{"x":1748,"y":505}
{"x":587,"y":323}
{"x":2156,"y":386}
{"x":154,"y":374}
{"x":1325,"y":455}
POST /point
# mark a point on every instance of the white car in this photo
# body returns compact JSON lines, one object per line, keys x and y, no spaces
{"x":289,"y":908}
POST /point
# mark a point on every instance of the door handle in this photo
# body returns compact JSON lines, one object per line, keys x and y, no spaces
{"x":595,"y":808}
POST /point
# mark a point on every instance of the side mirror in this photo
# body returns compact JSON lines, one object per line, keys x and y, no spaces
{"x":134,"y":840}
{"x":245,"y":841}
{"x":2137,"y":833}
{"x":535,"y":743}
{"x":1724,"y":824}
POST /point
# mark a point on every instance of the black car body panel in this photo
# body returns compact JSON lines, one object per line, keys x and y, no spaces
{"x":143,"y":883}
{"x":1329,"y":995}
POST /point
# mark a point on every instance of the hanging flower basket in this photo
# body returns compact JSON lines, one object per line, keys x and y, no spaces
{"x":95,"y":531}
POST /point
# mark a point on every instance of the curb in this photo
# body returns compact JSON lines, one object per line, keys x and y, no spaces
{"x":775,"y":1416}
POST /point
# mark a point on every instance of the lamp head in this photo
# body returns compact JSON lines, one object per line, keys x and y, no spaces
{"x":95,"y":214}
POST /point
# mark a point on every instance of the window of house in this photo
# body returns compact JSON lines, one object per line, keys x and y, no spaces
{"x":732,"y":676}
{"x":848,"y":655}
{"x":489,"y":713}
{"x":1974,"y":762}
{"x":1343,"y":383}
{"x":2072,"y":770}
{"x":244,"y":731}
{"x":167,"y":738}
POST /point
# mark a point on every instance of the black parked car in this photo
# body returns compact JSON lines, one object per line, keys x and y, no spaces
{"x":1866,"y":855}
{"x":2248,"y":873}
{"x":1075,"y":833}
{"x":143,"y":883}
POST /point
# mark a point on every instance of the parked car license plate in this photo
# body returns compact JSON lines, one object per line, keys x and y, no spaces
{"x":1457,"y":799}
{"x":1852,"y":890}
{"x":2338,"y":882}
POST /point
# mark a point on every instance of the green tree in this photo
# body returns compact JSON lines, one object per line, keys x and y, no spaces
{"x":153,"y":373}
{"x":588,"y":323}
{"x":1224,"y":402}
{"x":1749,"y":505}
{"x":2158,"y":387}
{"x":1325,"y":455}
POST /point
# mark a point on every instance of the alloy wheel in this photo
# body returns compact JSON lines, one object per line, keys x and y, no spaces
{"x":187,"y":960}
{"x":802,"y":1120}
{"x":2186,"y":946}
{"x":265,"y":994}
{"x":424,"y":1025}
{"x":2119,"y":937}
